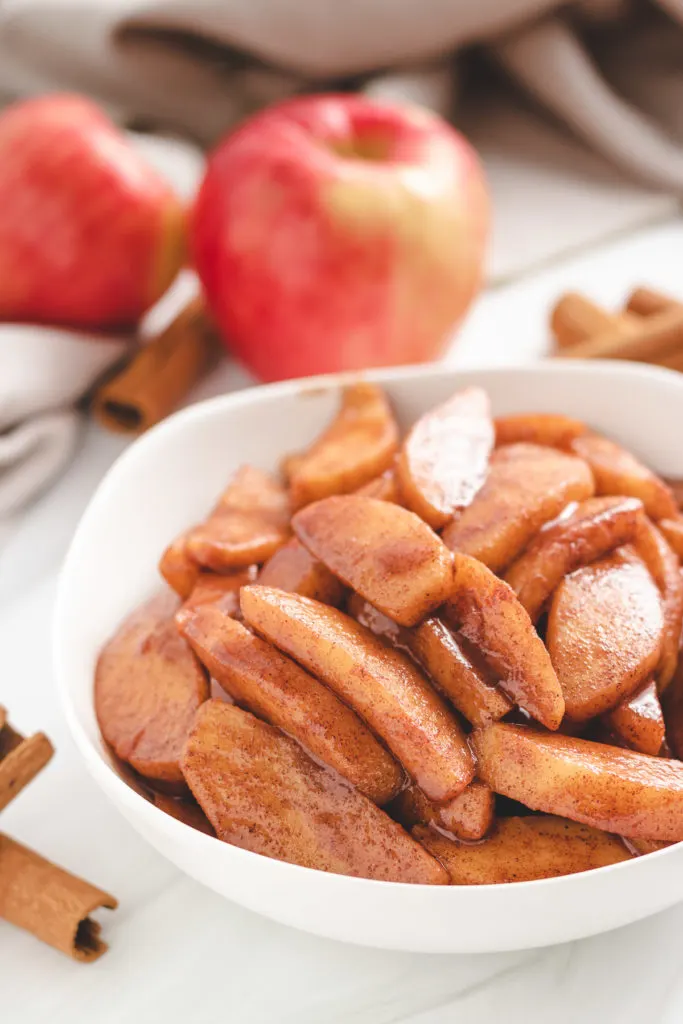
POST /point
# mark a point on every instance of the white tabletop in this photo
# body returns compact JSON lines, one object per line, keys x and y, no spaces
{"x":178,"y":952}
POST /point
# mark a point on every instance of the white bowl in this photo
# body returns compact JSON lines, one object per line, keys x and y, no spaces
{"x":169,"y":478}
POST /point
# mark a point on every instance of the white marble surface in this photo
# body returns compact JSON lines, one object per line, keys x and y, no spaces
{"x":180,"y":953}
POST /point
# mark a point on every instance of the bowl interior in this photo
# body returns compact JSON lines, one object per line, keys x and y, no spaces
{"x":170,"y":478}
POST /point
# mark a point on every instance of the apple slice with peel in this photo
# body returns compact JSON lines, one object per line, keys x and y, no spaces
{"x":383,"y":487}
{"x":604,"y":633}
{"x":262,"y":792}
{"x":549,"y":429}
{"x":487,"y":613}
{"x":249,"y":523}
{"x":527,"y":485}
{"x":294,"y":568}
{"x":673,"y":531}
{"x":607,"y":787}
{"x":455,"y":667}
{"x":638,"y":721}
{"x":180,"y":571}
{"x":617,"y":471}
{"x":445,"y":457}
{"x":596,"y":527}
{"x":381,"y":684}
{"x":664,"y":568}
{"x":384,"y":552}
{"x":523,"y":849}
{"x":357,"y":446}
{"x":257,"y":676}
{"x":468,"y":816}
{"x":148,"y":685}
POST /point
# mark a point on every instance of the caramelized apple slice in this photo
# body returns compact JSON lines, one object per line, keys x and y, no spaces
{"x":527,"y":485}
{"x":382,"y":551}
{"x":266,"y":682}
{"x":664,"y":569}
{"x":293,"y":568}
{"x":604,"y":634}
{"x":148,"y":686}
{"x":486,"y":611}
{"x":672,"y":706}
{"x":459,"y":672}
{"x":359,"y":445}
{"x":643,"y":846}
{"x":444,"y":458}
{"x":522,"y":849}
{"x":180,"y":571}
{"x":617,"y":471}
{"x":673,"y":531}
{"x":613,"y":789}
{"x":262,"y":792}
{"x":596,"y":527}
{"x":468,"y":816}
{"x":223,"y":591}
{"x":548,"y":429}
{"x":384,"y":487}
{"x":638,"y":721}
{"x":676,"y":488}
{"x":250,"y":522}
{"x":382,"y":685}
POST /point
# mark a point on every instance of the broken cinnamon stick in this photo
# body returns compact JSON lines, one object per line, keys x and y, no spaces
{"x":160,"y":374}
{"x":658,"y":337}
{"x":647,"y":302}
{"x":52,"y":904}
{"x":575,"y":319}
{"x":20,"y":760}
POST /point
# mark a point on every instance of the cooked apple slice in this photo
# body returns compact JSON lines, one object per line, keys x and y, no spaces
{"x":445,"y":457}
{"x":527,"y":485}
{"x":596,"y":527}
{"x":643,"y":846}
{"x":257,"y":676}
{"x":617,"y":471}
{"x":604,"y":634}
{"x":180,"y":571}
{"x":468,"y":816}
{"x":459,"y":671}
{"x":382,"y":551}
{"x":357,"y":446}
{"x":664,"y":568}
{"x":610,"y":788}
{"x":487,"y":613}
{"x":381,"y":684}
{"x":676,"y":488}
{"x":249,"y":523}
{"x":148,"y":686}
{"x":293,"y":568}
{"x":384,"y":487}
{"x":638,"y":721}
{"x":453,"y":665}
{"x":262,"y":792}
{"x":548,"y":429}
{"x":672,"y":706}
{"x":223,"y":591}
{"x":522,"y":849}
{"x":673,"y":531}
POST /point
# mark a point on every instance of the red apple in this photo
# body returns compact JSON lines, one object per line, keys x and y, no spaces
{"x":337,"y":233}
{"x":90,"y":235}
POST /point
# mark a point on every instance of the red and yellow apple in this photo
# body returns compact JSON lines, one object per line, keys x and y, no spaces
{"x":90,"y":234}
{"x":336,"y":233}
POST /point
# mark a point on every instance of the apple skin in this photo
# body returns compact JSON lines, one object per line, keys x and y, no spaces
{"x":90,"y":235}
{"x":334,"y":232}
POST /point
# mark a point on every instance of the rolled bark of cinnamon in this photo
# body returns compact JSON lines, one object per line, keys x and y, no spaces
{"x":575,"y":319}
{"x":52,"y":904}
{"x":160,"y":374}
{"x":647,"y":302}
{"x":658,"y":337}
{"x":20,"y":761}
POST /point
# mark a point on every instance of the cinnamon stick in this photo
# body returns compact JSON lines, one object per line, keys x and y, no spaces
{"x":647,"y":302}
{"x":160,"y":374}
{"x":658,"y":337}
{"x":20,"y":760}
{"x":52,"y":904}
{"x":575,"y":319}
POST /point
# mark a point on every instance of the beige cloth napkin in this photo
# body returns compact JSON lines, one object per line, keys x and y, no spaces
{"x":609,"y":71}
